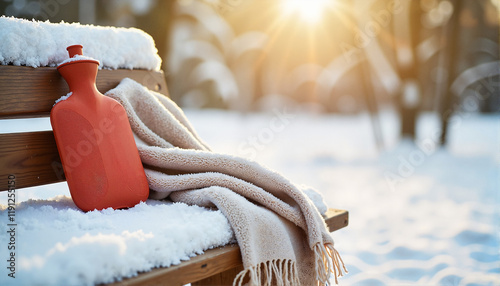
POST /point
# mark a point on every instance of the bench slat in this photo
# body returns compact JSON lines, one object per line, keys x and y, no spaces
{"x":202,"y":267}
{"x":32,"y":157}
{"x":31,"y":92}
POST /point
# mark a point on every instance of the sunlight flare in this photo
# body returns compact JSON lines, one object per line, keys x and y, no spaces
{"x":308,"y":10}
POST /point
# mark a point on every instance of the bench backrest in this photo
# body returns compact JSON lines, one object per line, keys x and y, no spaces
{"x":27,"y":92}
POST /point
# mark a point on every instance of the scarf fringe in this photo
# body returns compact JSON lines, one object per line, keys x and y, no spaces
{"x":281,"y":272}
{"x":328,"y":261}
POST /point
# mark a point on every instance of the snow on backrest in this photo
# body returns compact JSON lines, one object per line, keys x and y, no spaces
{"x":37,"y":44}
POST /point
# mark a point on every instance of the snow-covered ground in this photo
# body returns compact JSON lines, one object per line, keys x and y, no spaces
{"x":419,"y":215}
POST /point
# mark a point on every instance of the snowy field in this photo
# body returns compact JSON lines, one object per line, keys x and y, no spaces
{"x":419,"y":215}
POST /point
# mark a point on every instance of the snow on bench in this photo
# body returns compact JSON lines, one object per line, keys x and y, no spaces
{"x":38,"y":44}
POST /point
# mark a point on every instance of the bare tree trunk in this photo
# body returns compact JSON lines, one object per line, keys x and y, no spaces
{"x":406,"y":41}
{"x":448,"y":100}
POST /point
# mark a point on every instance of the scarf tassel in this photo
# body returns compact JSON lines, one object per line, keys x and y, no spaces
{"x":276,"y":272}
{"x":328,"y":261}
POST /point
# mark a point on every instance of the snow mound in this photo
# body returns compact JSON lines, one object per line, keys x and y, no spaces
{"x":36,"y":44}
{"x":58,"y":244}
{"x":77,"y":248}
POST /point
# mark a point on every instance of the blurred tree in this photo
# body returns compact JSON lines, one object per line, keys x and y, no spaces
{"x":53,"y":10}
{"x":473,"y":56}
{"x":152,"y":16}
{"x":406,"y":41}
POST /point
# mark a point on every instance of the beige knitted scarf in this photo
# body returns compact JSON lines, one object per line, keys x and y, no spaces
{"x":282,"y":236}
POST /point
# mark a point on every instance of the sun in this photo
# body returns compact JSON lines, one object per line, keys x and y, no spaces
{"x":309,"y":10}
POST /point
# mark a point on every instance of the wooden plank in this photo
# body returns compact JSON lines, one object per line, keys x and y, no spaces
{"x":31,"y":157}
{"x":225,"y":278}
{"x":210,"y":263}
{"x":30,"y":92}
{"x":336,"y":219}
{"x":202,"y":268}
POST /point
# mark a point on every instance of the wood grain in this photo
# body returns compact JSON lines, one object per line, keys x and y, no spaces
{"x":31,"y":92}
{"x":31,"y":157}
{"x":225,"y":278}
{"x":336,"y":219}
{"x":202,"y":266}
{"x":215,"y":265}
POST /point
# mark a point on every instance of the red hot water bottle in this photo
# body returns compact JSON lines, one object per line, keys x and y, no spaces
{"x":95,"y":142}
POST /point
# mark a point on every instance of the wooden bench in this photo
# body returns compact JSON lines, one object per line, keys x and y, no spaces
{"x":32,"y":157}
